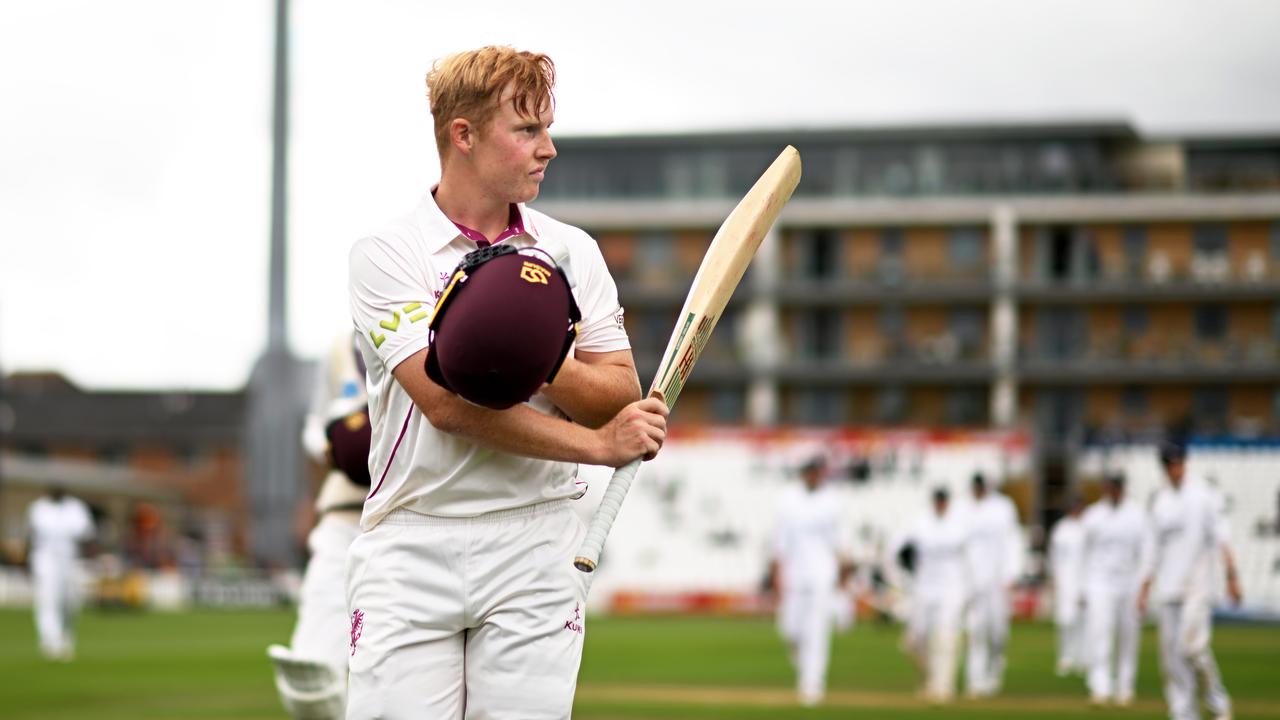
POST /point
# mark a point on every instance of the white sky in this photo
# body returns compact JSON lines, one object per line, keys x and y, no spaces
{"x":135,"y":134}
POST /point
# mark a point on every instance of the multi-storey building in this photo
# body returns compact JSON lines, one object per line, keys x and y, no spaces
{"x":1073,"y":279}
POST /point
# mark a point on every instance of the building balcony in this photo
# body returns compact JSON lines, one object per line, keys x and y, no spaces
{"x":877,"y":289}
{"x":1138,"y":289}
{"x":1230,"y":361}
{"x":915,"y":370}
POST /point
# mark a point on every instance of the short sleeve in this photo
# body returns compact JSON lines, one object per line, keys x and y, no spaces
{"x":391,"y":301}
{"x":84,"y":521}
{"x":602,"y":328}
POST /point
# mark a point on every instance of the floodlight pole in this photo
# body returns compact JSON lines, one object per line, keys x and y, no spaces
{"x":273,"y":462}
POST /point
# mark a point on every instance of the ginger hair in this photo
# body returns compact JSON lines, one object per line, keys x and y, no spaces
{"x":470,"y":85}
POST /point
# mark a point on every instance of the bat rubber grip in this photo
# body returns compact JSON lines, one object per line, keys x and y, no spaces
{"x":602,"y":521}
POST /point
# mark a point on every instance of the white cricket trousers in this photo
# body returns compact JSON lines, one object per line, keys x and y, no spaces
{"x":933,"y":638}
{"x":988,"y":626}
{"x":478,"y":618}
{"x":321,"y":632}
{"x":1187,"y":660}
{"x":1069,"y":617}
{"x":1114,"y":632}
{"x":57,"y":601}
{"x":805,"y":618}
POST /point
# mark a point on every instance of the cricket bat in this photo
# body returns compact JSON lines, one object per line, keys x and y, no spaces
{"x":731,"y":250}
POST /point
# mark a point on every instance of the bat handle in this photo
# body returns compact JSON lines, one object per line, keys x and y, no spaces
{"x":602,"y":521}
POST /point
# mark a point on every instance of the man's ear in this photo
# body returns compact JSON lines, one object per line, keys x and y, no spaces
{"x":462,"y":134}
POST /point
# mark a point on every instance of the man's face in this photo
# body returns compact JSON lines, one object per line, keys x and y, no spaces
{"x":1114,"y":492}
{"x":1175,"y":470}
{"x":511,"y":152}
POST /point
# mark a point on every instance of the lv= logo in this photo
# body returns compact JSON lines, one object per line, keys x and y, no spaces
{"x":393,"y":324}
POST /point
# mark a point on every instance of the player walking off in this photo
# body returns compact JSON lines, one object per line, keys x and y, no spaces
{"x":311,"y":674}
{"x":463,"y":597}
{"x":1190,"y":535}
{"x":937,"y":550}
{"x":1115,"y":539}
{"x":58,"y":524}
{"x":995,"y":549}
{"x":809,"y":562}
{"x":1066,"y":562}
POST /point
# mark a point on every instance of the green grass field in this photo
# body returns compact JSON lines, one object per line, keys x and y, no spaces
{"x":212,"y":664}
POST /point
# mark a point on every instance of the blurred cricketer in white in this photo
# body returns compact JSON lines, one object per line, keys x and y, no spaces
{"x":58,"y":524}
{"x":1190,"y":536}
{"x":995,"y":550}
{"x":311,"y":674}
{"x":809,"y":560}
{"x":1116,"y":540}
{"x":1066,"y":563}
{"x":941,"y":576}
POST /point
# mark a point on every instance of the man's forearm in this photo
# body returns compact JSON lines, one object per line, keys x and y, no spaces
{"x":519,"y":430}
{"x":592,"y":393}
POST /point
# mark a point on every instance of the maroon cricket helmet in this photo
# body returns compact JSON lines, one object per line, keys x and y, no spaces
{"x":349,"y":439}
{"x":503,"y":326}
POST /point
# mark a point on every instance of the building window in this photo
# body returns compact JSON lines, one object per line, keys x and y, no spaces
{"x":966,"y":406}
{"x":1062,"y":332}
{"x":1135,"y":250}
{"x":891,"y":404}
{"x":1210,"y":239}
{"x":655,"y":251}
{"x":966,"y":325}
{"x":820,"y":254}
{"x":893,"y":327}
{"x":1211,"y":322}
{"x":964,"y":247}
{"x":818,"y":406}
{"x":1134,"y":401}
{"x":820,"y":334}
{"x":1209,"y":259}
{"x":1209,"y":407}
{"x":652,"y":328}
{"x":1136,"y":319}
{"x":892,"y":264}
{"x":727,"y":405}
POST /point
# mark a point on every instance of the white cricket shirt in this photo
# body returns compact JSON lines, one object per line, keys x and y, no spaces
{"x":1113,"y":538}
{"x":942,"y":564}
{"x":995,"y":545}
{"x":57,"y":526}
{"x":1189,"y":529}
{"x":1066,"y":557}
{"x":396,"y":276}
{"x":807,"y":539}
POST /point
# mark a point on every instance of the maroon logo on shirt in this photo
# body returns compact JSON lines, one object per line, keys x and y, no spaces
{"x":357,"y":628}
{"x":575,"y":625}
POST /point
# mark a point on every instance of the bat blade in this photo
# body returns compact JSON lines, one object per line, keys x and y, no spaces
{"x":727,"y":258}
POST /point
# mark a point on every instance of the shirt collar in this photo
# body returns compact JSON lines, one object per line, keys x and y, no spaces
{"x":438,"y":230}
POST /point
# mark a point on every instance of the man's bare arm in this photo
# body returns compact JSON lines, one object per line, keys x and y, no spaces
{"x":637,"y":430}
{"x":592,"y":387}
